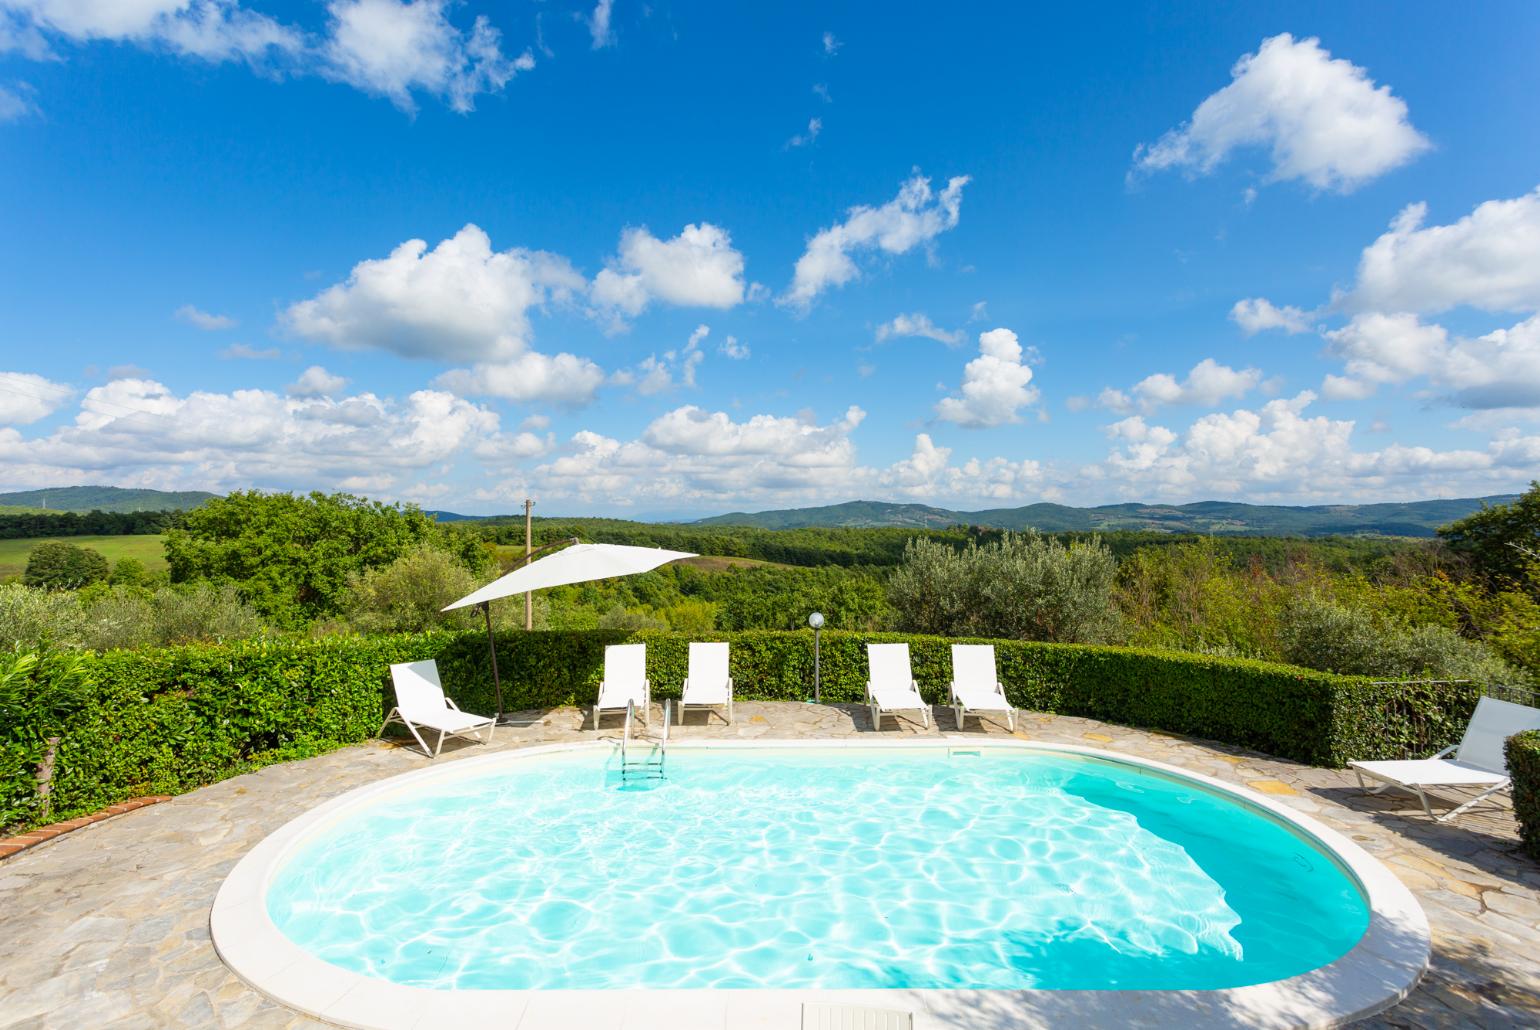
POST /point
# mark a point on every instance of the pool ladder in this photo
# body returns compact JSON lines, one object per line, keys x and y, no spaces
{"x":648,"y":765}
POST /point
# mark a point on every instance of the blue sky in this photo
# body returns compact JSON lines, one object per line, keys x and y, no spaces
{"x":677,"y":259}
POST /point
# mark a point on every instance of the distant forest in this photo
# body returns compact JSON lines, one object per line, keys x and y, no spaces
{"x":884,"y":547}
{"x":22,"y":525}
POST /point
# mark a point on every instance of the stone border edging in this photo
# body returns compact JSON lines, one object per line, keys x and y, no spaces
{"x":22,"y":841}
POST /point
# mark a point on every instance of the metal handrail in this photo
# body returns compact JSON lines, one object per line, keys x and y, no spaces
{"x":625,"y":740}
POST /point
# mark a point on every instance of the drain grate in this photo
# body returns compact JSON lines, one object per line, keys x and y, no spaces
{"x":821,"y":1016}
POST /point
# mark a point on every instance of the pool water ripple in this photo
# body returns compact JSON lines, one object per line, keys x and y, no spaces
{"x":823,"y":869}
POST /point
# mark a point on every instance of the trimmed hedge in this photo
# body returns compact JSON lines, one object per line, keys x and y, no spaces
{"x":163,"y":721}
{"x":1523,"y":753}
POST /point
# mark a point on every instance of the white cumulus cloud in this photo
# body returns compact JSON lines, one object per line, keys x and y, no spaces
{"x":1280,"y":453}
{"x":1207,"y":384}
{"x":913,"y":218}
{"x":315,"y":381}
{"x":996,"y":384}
{"x":564,"y":379}
{"x":803,"y":139}
{"x":1500,"y":369}
{"x":599,"y":28}
{"x":1258,"y":314}
{"x":697,"y":268}
{"x":203,"y":320}
{"x":391,"y":48}
{"x":211,"y":30}
{"x":1490,"y":259}
{"x":396,"y":48}
{"x":459,"y":301}
{"x":918,"y":324}
{"x":137,"y":430}
{"x":25,"y":398}
{"x":1322,"y":119}
{"x":16,"y":101}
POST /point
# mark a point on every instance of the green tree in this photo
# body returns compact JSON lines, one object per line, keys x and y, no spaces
{"x":292,"y":555}
{"x":1023,"y":586}
{"x":1502,"y":540}
{"x":55,"y":565}
{"x":128,"y":572}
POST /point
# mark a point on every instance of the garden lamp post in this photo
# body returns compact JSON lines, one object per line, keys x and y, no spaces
{"x":816,"y":621}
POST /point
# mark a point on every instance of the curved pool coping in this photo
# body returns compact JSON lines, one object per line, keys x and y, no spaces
{"x":1379,"y":971}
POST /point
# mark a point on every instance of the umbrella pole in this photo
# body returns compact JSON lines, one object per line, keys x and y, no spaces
{"x":497,"y":683}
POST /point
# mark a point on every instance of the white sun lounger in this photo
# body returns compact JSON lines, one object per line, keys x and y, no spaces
{"x":890,"y":685}
{"x":708,"y":685}
{"x":420,"y":702}
{"x":975,"y":687}
{"x":625,"y":681}
{"x":1478,"y":763}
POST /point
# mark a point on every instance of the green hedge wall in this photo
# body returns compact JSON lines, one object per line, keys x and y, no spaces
{"x":168,"y":720}
{"x":1523,"y":753}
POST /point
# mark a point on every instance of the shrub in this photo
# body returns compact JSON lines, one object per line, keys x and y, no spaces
{"x":55,"y":565}
{"x":1024,"y":586}
{"x":203,"y":611}
{"x":1523,"y":753}
{"x":1321,"y":634}
{"x":119,"y":617}
{"x":167,"y":720}
{"x":39,"y":618}
{"x":407,"y":595}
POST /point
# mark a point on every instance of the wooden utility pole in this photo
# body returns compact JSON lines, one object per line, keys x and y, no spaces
{"x":529,"y":547}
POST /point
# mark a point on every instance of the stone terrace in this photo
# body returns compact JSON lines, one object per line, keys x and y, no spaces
{"x":108,"y":926}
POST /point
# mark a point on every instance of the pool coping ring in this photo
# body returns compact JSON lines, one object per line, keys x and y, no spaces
{"x":1376,"y":973}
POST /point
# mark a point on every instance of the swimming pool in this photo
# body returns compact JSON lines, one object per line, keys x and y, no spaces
{"x":922,"y":869}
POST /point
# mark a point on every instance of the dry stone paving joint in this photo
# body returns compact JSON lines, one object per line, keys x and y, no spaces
{"x":107,"y":926}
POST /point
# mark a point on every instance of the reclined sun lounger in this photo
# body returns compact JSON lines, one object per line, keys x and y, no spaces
{"x":975,"y":687}
{"x":420,"y":702}
{"x":708,"y":685}
{"x":1478,"y":763}
{"x":890,"y":685}
{"x":625,"y":681}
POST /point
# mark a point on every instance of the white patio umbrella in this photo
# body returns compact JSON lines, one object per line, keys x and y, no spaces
{"x":579,"y":563}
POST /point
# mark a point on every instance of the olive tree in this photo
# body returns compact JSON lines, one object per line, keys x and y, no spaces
{"x":1023,"y":586}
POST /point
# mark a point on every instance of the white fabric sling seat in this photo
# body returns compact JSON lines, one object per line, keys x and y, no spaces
{"x":890,"y":685}
{"x":708,"y":685}
{"x":625,"y":682}
{"x":975,"y":686}
{"x":421,"y":703}
{"x":1478,"y":763}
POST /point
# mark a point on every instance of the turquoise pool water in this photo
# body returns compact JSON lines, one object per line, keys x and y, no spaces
{"x":817,"y":869}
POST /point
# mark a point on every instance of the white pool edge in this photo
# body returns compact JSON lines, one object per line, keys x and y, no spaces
{"x":1379,"y":971}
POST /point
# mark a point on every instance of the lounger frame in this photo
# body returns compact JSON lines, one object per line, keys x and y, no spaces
{"x":969,"y":658}
{"x":625,"y":667}
{"x":895,"y":678}
{"x":1478,"y":759}
{"x":418,"y":689}
{"x":712,"y":671}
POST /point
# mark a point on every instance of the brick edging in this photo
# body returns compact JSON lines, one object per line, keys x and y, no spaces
{"x":22,"y":841}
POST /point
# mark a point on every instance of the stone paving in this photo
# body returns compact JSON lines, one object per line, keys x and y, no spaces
{"x":108,"y":926}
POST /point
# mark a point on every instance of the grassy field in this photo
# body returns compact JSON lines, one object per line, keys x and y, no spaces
{"x":147,"y":548}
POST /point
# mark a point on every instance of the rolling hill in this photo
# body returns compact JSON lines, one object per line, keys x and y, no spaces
{"x":1412,"y":518}
{"x":105,"y":498}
